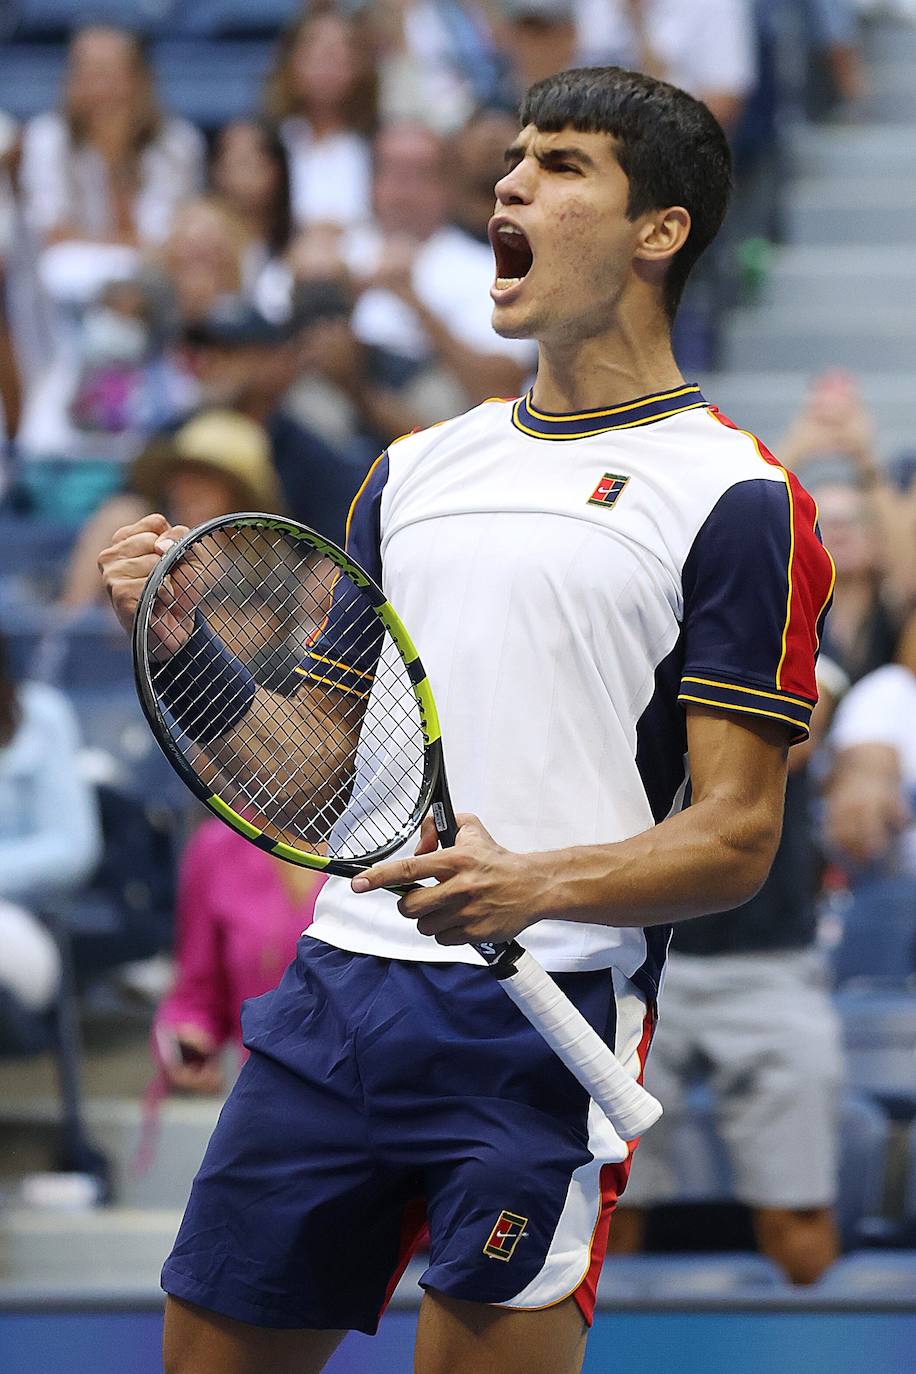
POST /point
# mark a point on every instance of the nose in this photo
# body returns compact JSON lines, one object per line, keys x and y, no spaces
{"x":516,"y":187}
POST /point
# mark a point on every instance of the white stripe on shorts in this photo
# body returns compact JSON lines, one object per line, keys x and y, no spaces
{"x":568,"y":1257}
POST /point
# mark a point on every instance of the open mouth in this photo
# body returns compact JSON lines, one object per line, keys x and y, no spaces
{"x":513,"y":254}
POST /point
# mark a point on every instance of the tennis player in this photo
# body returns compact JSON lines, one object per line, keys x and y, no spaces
{"x":617,"y":595}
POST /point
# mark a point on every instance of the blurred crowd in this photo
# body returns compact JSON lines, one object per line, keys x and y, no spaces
{"x":241,"y":316}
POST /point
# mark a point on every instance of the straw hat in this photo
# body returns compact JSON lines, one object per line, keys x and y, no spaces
{"x":222,"y":441}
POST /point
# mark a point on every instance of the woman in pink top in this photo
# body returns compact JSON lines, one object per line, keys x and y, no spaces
{"x":239,"y":914}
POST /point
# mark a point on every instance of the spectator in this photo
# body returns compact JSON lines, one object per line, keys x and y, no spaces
{"x":705,"y":46}
{"x":216,"y":463}
{"x":746,"y":1011}
{"x":536,"y":39}
{"x":436,"y":60}
{"x":204,"y":257}
{"x":479,"y":158}
{"x":240,"y":360}
{"x":868,"y":529}
{"x":425,"y":282}
{"x":201,"y":262}
{"x":127,"y":384}
{"x":110,"y":167}
{"x":249,"y":171}
{"x":49,"y":843}
{"x":870,"y":818}
{"x":323,"y":95}
{"x":239,"y":914}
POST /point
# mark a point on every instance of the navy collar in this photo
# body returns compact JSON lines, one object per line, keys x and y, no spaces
{"x":643,"y":411}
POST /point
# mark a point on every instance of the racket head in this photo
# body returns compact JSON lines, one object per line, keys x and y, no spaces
{"x":261,"y":573}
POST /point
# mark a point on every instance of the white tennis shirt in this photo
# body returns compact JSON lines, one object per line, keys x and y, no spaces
{"x":572,"y":583}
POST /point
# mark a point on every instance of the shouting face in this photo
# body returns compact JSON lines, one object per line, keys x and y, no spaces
{"x":564,"y":247}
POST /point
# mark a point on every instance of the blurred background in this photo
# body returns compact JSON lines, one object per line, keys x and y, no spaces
{"x":242,"y":247}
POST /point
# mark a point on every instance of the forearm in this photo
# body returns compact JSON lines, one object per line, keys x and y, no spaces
{"x":293,"y":752}
{"x":705,"y":859}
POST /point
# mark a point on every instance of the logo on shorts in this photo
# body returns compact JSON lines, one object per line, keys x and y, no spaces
{"x":608,"y":489}
{"x":505,"y":1235}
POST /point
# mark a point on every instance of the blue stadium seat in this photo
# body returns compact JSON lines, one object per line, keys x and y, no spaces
{"x":211,"y":83}
{"x":234,"y":18}
{"x":879,"y":931}
{"x":30,"y":77}
{"x":864,"y":1139}
{"x":33,"y":555}
{"x":206,"y":81}
{"x":879,"y":1030}
{"x":688,"y":1276}
{"x":36,"y":19}
{"x":90,"y":653}
{"x":889,"y":1274}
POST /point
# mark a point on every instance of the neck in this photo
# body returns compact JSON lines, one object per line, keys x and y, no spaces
{"x":606,"y":369}
{"x":324,"y":122}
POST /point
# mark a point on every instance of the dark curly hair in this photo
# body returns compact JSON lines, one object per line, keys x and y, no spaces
{"x":671,"y":147}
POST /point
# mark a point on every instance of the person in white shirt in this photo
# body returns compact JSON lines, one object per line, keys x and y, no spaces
{"x":870,"y":816}
{"x":616,"y":593}
{"x":705,"y":46}
{"x":426,"y":279}
{"x":323,"y":95}
{"x":111,"y":167}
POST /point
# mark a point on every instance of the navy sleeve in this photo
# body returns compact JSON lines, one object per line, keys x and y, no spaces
{"x":344,"y":653}
{"x":757,"y":585}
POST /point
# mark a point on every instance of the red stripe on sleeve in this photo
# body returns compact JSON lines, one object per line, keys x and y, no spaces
{"x":811,"y":586}
{"x":811,"y":576}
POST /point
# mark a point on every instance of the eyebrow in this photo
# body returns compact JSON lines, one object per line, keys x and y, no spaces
{"x":553,"y":154}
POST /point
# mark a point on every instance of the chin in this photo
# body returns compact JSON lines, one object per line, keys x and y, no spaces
{"x":512,"y":326}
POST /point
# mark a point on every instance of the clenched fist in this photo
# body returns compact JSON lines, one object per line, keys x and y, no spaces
{"x":127,"y":563}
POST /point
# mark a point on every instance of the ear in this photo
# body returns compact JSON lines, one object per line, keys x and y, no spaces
{"x":663,"y":234}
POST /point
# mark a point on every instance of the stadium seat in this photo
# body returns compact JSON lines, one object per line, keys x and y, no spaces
{"x":234,"y":18}
{"x":687,"y":1276}
{"x":879,"y":931}
{"x":33,"y":554}
{"x":211,"y":83}
{"x":864,"y":1139}
{"x":87,"y":653}
{"x":879,"y":1030}
{"x":206,"y":81}
{"x":30,"y":77}
{"x":37,"y":19}
{"x":889,"y":1274}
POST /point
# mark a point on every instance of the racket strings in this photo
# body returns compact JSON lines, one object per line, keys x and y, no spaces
{"x":336,"y":688}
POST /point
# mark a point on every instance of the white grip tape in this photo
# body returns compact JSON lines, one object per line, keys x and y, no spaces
{"x":626,"y":1104}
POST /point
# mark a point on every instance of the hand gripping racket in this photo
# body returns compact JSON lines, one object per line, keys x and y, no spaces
{"x":284,"y":689}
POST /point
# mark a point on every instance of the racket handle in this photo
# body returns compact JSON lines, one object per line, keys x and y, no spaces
{"x":629,"y":1108}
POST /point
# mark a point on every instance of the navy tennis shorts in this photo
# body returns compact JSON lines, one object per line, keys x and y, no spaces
{"x":381,"y":1097}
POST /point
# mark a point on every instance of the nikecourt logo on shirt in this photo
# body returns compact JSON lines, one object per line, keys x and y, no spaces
{"x":504,"y":1237}
{"x":608,"y":489}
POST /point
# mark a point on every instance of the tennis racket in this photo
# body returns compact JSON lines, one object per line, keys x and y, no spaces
{"x":283,"y":687}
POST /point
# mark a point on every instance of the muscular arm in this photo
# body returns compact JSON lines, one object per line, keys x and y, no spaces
{"x":711,"y":857}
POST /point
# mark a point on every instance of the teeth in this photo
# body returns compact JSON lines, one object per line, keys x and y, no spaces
{"x":503,"y":283}
{"x":510,"y":229}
